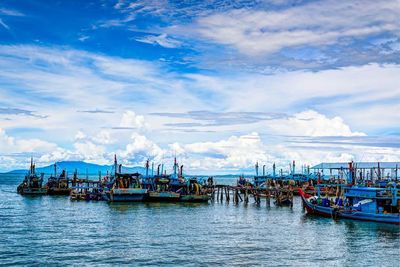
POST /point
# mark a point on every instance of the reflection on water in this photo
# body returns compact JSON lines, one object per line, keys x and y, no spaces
{"x":52,"y":230}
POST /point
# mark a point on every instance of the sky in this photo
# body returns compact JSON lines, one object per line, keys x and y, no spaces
{"x":220,"y":85}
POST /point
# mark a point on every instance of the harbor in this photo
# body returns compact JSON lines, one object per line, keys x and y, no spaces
{"x":353,"y":191}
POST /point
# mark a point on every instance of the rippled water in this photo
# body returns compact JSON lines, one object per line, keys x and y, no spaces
{"x":51,"y":230}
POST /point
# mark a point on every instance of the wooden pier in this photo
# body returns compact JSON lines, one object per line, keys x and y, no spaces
{"x":238,"y":194}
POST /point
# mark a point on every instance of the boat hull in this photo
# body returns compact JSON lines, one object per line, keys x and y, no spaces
{"x":59,"y":191}
{"x":163,"y":196}
{"x":126,"y":195}
{"x":32,"y":191}
{"x":195,"y":198}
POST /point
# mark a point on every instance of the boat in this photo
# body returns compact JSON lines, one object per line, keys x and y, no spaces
{"x":124,"y":187}
{"x":357,"y":202}
{"x":58,"y":185}
{"x":85,"y":193}
{"x":163,"y":187}
{"x":32,"y":183}
{"x":284,"y":197}
{"x":193,"y":192}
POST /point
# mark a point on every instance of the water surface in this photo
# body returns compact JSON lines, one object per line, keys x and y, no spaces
{"x":55,"y":231}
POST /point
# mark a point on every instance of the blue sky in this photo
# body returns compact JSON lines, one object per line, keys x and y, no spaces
{"x":219,"y":84}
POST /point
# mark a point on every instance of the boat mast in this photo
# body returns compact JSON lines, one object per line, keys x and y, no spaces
{"x":175,"y":165}
{"x":147,"y":169}
{"x":115,"y":164}
{"x":257,"y":168}
{"x":273,"y":170}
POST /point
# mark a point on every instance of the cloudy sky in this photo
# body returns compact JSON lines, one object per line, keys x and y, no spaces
{"x":219,"y":84}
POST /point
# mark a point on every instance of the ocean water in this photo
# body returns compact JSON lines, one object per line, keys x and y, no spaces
{"x":54,"y":231}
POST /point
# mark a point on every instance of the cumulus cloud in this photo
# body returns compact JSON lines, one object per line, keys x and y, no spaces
{"x":9,"y":144}
{"x":312,"y":123}
{"x":139,"y":149}
{"x":130,"y":120}
{"x":236,"y":152}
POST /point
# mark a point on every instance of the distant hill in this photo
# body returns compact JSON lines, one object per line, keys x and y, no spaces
{"x":81,"y":167}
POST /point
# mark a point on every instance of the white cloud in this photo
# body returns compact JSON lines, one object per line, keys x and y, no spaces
{"x":131,"y":120}
{"x":316,"y":23}
{"x":350,"y":101}
{"x":80,"y":135}
{"x":139,"y":149}
{"x":83,"y":38}
{"x":311,"y":123}
{"x":9,"y":144}
{"x":104,"y":137}
{"x":90,"y":152}
{"x":236,"y":152}
{"x":2,"y":23}
{"x":162,"y":40}
{"x":10,"y":12}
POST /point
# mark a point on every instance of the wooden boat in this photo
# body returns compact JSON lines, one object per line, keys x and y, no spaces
{"x":89,"y":190}
{"x":284,"y":197}
{"x":193,"y":192}
{"x":124,"y":187}
{"x":32,"y":184}
{"x":163,"y":187}
{"x":195,"y":198}
{"x":58,"y":185}
{"x":163,"y":196}
{"x":359,"y":203}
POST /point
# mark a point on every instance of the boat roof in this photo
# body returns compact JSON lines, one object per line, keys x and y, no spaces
{"x":358,"y":165}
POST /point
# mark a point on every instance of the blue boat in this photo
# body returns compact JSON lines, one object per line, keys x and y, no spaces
{"x":358,"y":202}
{"x":32,"y":183}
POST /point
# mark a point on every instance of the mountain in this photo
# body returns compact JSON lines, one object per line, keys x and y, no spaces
{"x":81,"y":167}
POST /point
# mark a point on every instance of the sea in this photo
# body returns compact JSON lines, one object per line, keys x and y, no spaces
{"x":54,"y":231}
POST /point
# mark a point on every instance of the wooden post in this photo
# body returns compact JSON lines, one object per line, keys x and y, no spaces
{"x":222,"y":195}
{"x":240,"y":196}
{"x":236,"y":198}
{"x":227,"y":194}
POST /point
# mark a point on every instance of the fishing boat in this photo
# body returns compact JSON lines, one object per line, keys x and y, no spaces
{"x":193,"y":192}
{"x":284,"y":197}
{"x":163,"y":187}
{"x":294,"y":179}
{"x":58,"y":185}
{"x":357,"y":202}
{"x":32,"y":183}
{"x":86,"y":193}
{"x":124,"y":187}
